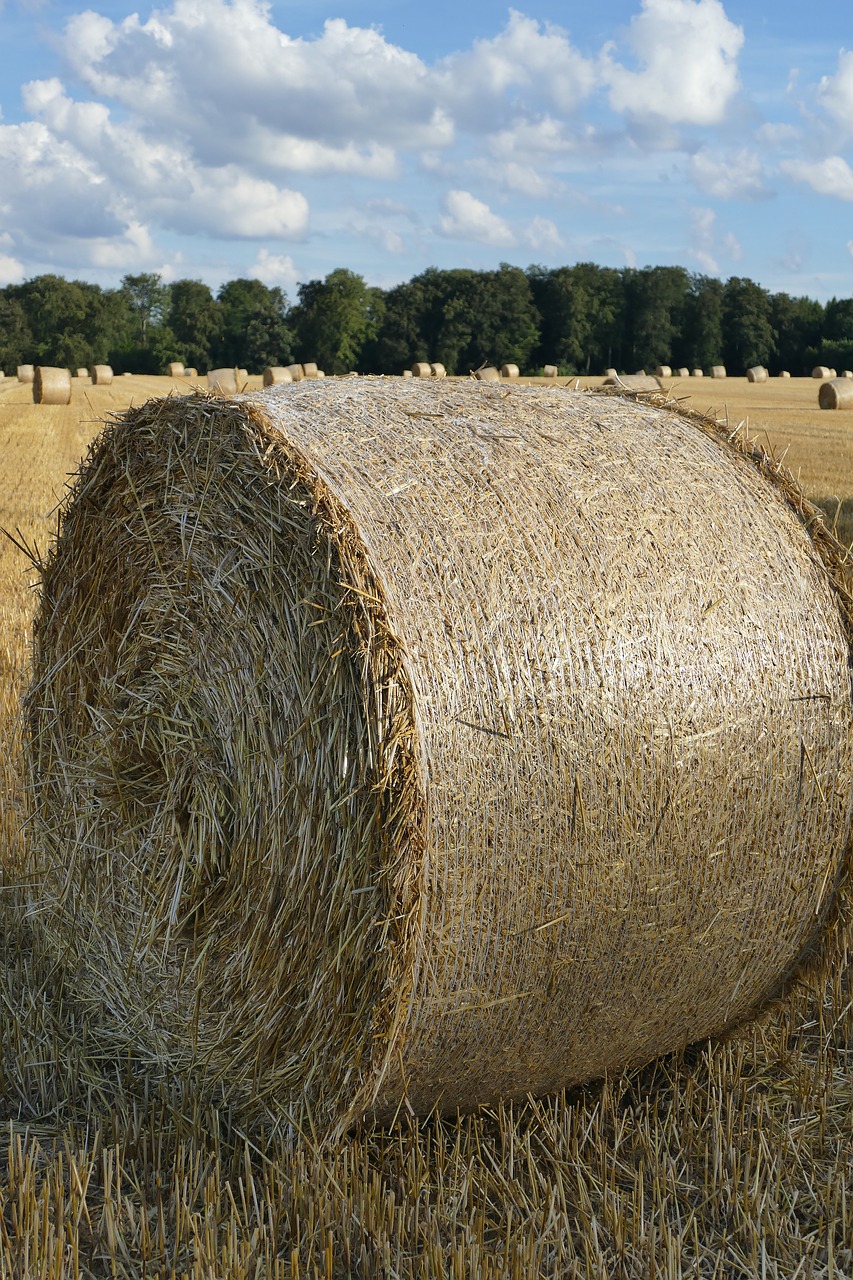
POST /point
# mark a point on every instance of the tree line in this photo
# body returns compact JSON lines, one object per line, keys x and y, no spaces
{"x":582,"y":318}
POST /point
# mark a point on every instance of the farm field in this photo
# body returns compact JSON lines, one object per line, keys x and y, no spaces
{"x":730,"y":1159}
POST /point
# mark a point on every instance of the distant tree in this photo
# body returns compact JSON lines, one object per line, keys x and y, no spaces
{"x":701,"y":344}
{"x":195,"y":319}
{"x":581,"y":315}
{"x":336,"y":319}
{"x":400,"y":338}
{"x":148,"y":299}
{"x":798,"y":325}
{"x":655,"y":301}
{"x":16,"y":339}
{"x":58,"y":313}
{"x":255,"y":330}
{"x":748,"y":336}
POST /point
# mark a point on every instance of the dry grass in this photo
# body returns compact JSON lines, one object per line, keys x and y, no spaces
{"x":728,"y":1160}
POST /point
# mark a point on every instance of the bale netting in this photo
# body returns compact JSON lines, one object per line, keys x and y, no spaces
{"x":101,"y":374}
{"x":51,"y":386}
{"x":413,"y":745}
{"x":836,"y":394}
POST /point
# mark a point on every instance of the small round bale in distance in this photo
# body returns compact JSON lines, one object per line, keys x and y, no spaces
{"x":550,"y":371}
{"x":101,"y":374}
{"x":847,"y":373}
{"x":175,"y":369}
{"x":26,"y":372}
{"x":190,"y":373}
{"x":488,"y":374}
{"x":683,"y":373}
{"x":437,"y":369}
{"x":718,"y":370}
{"x":222,"y":381}
{"x":51,"y":386}
{"x":698,"y":373}
{"x":82,"y":373}
{"x":634,"y":382}
{"x":309,"y":369}
{"x":756,"y":374}
{"x":407,"y":373}
{"x":275,"y":374}
{"x":785,"y":374}
{"x":509,"y":371}
{"x":422,"y":369}
{"x":610,"y":373}
{"x":663,"y":371}
{"x":821,"y":371}
{"x":295,"y":371}
{"x":324,"y":823}
{"x":837,"y":393}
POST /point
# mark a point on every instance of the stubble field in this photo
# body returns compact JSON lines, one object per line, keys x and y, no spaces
{"x":731,"y":1159}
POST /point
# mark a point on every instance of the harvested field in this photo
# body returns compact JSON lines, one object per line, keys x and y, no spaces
{"x":730,"y":1159}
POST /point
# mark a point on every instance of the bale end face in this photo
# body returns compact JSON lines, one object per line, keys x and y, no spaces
{"x":836,"y":394}
{"x":51,"y":385}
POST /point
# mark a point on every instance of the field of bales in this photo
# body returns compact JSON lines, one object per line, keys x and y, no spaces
{"x":731,"y":1159}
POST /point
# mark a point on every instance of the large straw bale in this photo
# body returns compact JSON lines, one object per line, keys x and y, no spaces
{"x":101,"y":374}
{"x":821,"y":371}
{"x":756,"y":374}
{"x":836,"y":394}
{"x":663,"y":371}
{"x":402,"y":744}
{"x":634,"y":382}
{"x":437,"y":369}
{"x":274,"y":374}
{"x":422,"y":369}
{"x":488,"y":374}
{"x":550,"y":371}
{"x":509,"y":371}
{"x":26,"y":372}
{"x":51,"y":385}
{"x":718,"y":370}
{"x":222,"y":381}
{"x":175,"y":369}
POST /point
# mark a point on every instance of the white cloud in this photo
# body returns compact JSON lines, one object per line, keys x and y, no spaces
{"x":687,"y":51}
{"x":11,"y":270}
{"x":543,"y":236}
{"x":467,"y":218}
{"x":705,"y":242}
{"x":835,"y":93}
{"x":730,"y":176}
{"x":276,"y":269}
{"x":831,"y":176}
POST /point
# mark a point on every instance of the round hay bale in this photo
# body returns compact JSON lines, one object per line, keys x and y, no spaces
{"x":295,"y":371}
{"x":718,"y":370}
{"x":698,"y":373}
{"x":407,"y":373}
{"x":550,"y":371}
{"x":275,"y":374}
{"x":488,"y":374}
{"x":437,"y":369}
{"x":82,"y":373}
{"x":509,"y":371}
{"x":611,"y":373}
{"x":756,"y":374}
{"x":309,"y":369}
{"x":222,"y":381}
{"x":683,"y":373}
{"x":26,"y":372}
{"x":663,"y":371}
{"x":422,"y":369}
{"x":847,"y":373}
{"x":634,"y":382}
{"x":784,"y":374}
{"x":242,"y":376}
{"x":101,"y":374}
{"x":322,"y":822}
{"x":175,"y":369}
{"x":191,"y":373}
{"x":836,"y":394}
{"x":833,"y":374}
{"x":51,"y":386}
{"x":821,"y":371}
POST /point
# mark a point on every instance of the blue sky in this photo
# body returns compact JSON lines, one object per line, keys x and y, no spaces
{"x":217,"y":138}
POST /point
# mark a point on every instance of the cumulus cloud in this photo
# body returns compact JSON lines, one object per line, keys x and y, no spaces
{"x":687,"y":52}
{"x":276,"y":269}
{"x":835,"y":93}
{"x":467,"y":218}
{"x":831,"y":176}
{"x":543,"y":236}
{"x":11,"y":270}
{"x":705,"y":242}
{"x":731,"y":175}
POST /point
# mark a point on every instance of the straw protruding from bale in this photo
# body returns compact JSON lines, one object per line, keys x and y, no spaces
{"x":718,"y":371}
{"x":550,"y":371}
{"x":756,"y":374}
{"x":51,"y":385}
{"x":634,"y":382}
{"x":357,"y":787}
{"x":101,"y":374}
{"x":276,"y":374}
{"x":222,"y":381}
{"x":437,"y":369}
{"x":663,"y":371}
{"x":509,"y":371}
{"x":422,"y":369}
{"x":489,"y":373}
{"x":610,"y":373}
{"x":309,"y":369}
{"x":837,"y":393}
{"x":821,"y":371}
{"x":175,"y":369}
{"x":26,"y":372}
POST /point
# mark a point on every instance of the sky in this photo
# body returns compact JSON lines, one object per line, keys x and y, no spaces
{"x":213,"y":139}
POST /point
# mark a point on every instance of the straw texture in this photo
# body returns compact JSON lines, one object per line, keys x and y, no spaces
{"x":836,"y":394}
{"x":416,"y":744}
{"x":51,"y":386}
{"x":101,"y":374}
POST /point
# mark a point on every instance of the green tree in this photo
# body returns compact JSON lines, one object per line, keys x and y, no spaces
{"x":701,"y":344}
{"x":798,"y":324}
{"x":255,"y":330}
{"x":748,"y":337}
{"x":656,"y":299}
{"x":336,"y":319}
{"x":196,"y":321}
{"x":16,"y":339}
{"x":148,"y":299}
{"x":581,"y":309}
{"x":58,"y":313}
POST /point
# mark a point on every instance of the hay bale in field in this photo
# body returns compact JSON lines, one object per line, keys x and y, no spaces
{"x":309,"y":369}
{"x":437,"y":369}
{"x":26,"y":372}
{"x":698,"y":373}
{"x":509,"y":371}
{"x":610,"y":373}
{"x":81,"y":373}
{"x":190,"y":373}
{"x":101,"y":374}
{"x":242,"y":376}
{"x":718,"y":370}
{"x":422,"y":369}
{"x":222,"y":381}
{"x":784,"y":374}
{"x":821,"y":371}
{"x":663,"y":371}
{"x":833,"y":374}
{"x":175,"y":369}
{"x":837,"y":393}
{"x":295,"y":371}
{"x":550,"y":371}
{"x":274,"y":374}
{"x":683,"y":373}
{"x":51,"y":386}
{"x":756,"y":374}
{"x":488,"y":374}
{"x":847,"y":373}
{"x":634,"y":382}
{"x":323,"y":821}
{"x":407,"y":373}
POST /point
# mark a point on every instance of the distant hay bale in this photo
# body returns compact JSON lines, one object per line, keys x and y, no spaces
{"x":26,"y":372}
{"x":309,"y":369}
{"x":756,"y":374}
{"x":51,"y":386}
{"x":833,"y":374}
{"x":634,"y":382}
{"x":683,"y":373}
{"x":509,"y":371}
{"x":175,"y":369}
{"x":488,"y":374}
{"x":784,"y":374}
{"x":836,"y":394}
{"x":610,"y":373}
{"x":550,"y":371}
{"x":190,"y":373}
{"x":663,"y":371}
{"x":437,"y":369}
{"x":320,"y":373}
{"x":242,"y":376}
{"x":821,"y":371}
{"x":422,"y":369}
{"x":295,"y":371}
{"x":326,"y":819}
{"x":718,"y":370}
{"x":275,"y":374}
{"x":101,"y":374}
{"x":222,"y":381}
{"x":82,"y":373}
{"x":847,"y":373}
{"x":698,"y":373}
{"x":407,"y":373}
